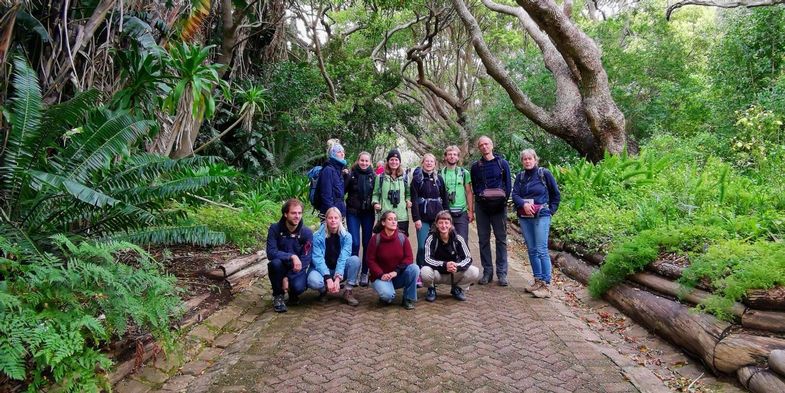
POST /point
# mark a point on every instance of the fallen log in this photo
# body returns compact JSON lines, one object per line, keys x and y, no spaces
{"x":237,"y":264}
{"x":703,"y":335}
{"x":256,"y":270}
{"x":666,"y":269}
{"x":148,"y":349}
{"x":766,"y":299}
{"x":771,"y":321}
{"x":777,"y":361}
{"x":760,"y":380}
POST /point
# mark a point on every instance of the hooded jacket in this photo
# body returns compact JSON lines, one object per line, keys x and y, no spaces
{"x":542,"y":189}
{"x":282,"y":244}
{"x":331,"y":188}
{"x":429,"y":195}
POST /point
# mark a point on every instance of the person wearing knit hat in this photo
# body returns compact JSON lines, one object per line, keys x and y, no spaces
{"x":391,"y":191}
{"x":330,"y":188}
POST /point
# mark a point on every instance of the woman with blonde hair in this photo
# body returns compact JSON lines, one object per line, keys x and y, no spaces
{"x":331,"y":260}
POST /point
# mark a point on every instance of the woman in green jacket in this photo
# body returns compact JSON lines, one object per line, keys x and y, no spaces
{"x":391,"y":191}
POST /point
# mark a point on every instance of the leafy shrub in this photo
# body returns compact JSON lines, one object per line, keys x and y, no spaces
{"x":734,"y":267}
{"x":633,"y":255}
{"x":58,"y":309}
{"x":246,"y":229}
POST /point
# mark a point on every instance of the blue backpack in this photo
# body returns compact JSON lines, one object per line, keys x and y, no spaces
{"x":313,"y":194}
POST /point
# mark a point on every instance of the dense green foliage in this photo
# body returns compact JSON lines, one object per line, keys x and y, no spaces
{"x":58,"y":309}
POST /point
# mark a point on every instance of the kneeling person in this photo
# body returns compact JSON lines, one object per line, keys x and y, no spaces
{"x":447,"y":259}
{"x":332,"y":259}
{"x":289,"y":245}
{"x":390,"y":262}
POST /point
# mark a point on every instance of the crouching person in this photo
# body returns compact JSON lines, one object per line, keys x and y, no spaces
{"x":447,"y":260}
{"x":289,"y":251}
{"x":332,"y":259}
{"x":390,"y":262}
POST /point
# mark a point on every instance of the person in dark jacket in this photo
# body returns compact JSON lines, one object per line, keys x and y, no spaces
{"x":359,"y":208}
{"x":390,"y":262}
{"x":289,"y":245}
{"x":330,"y":186}
{"x":447,"y":260}
{"x":536,"y":197}
{"x":491,"y":185}
{"x":429,"y":197}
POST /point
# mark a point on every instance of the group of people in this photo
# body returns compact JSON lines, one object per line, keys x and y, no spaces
{"x":440,"y":202}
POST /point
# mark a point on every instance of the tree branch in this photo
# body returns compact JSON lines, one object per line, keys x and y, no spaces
{"x":390,"y":33}
{"x":496,"y":70}
{"x":728,"y":4}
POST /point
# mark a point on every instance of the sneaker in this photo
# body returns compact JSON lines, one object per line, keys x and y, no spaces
{"x":364,"y":280}
{"x":278,"y":304}
{"x":408,"y":304}
{"x":457,"y":293}
{"x":350,"y":299}
{"x":485,"y":280}
{"x":419,"y":282}
{"x":503,"y":281}
{"x":542,"y":291}
{"x":430,"y":296}
{"x":384,"y":303}
{"x":532,"y":287}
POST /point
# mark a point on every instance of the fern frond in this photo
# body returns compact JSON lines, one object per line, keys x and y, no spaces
{"x":99,"y":143}
{"x":193,"y":234}
{"x":25,"y":129}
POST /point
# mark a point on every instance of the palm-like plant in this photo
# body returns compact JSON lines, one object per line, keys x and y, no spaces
{"x":253,"y":101}
{"x":68,"y":169}
{"x":191,"y":99}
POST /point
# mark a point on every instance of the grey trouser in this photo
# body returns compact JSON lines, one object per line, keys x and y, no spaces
{"x":497,"y":222}
{"x":462,"y":279}
{"x":461,"y":224}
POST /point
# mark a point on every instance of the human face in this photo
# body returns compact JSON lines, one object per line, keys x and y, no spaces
{"x":528,"y":161}
{"x":443,"y":226}
{"x":428,"y":164}
{"x":341,"y":154}
{"x":451,"y":157}
{"x":485,"y":146}
{"x":294,"y":215}
{"x":391,"y":222}
{"x":394,"y":163}
{"x":333,"y":220}
{"x":364,"y":161}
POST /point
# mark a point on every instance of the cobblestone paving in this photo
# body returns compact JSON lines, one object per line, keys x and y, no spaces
{"x":501,"y":339}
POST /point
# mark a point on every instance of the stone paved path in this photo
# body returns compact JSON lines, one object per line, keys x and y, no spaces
{"x":501,"y":339}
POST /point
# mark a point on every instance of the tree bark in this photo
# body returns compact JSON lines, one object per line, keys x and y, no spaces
{"x":766,"y":299}
{"x":760,"y":380}
{"x":777,"y":361}
{"x":228,"y":35}
{"x":724,"y":4}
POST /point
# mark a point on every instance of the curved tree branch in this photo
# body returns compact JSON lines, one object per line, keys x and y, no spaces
{"x":724,"y":4}
{"x":390,"y":33}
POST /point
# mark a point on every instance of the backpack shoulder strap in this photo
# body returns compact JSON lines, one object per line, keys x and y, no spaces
{"x":401,"y":238}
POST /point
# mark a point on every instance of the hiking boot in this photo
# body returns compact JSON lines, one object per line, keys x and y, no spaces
{"x":485,"y":280}
{"x":384,"y":303}
{"x":457,"y":293}
{"x":323,"y":296}
{"x":430,"y":296}
{"x":503,"y":281}
{"x":542,"y":291}
{"x":532,"y":287}
{"x":364,"y":280}
{"x":278,"y":303}
{"x":408,"y":304}
{"x":350,"y":299}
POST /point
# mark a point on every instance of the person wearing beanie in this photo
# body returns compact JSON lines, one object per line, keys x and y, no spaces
{"x":391,"y":191}
{"x":330,"y":188}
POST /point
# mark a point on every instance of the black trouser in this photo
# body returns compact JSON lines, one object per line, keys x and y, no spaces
{"x":277,"y":270}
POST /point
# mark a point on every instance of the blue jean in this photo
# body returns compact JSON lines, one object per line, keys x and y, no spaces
{"x":422,"y":233}
{"x":316,"y":280}
{"x":407,"y":281}
{"x":355,"y":223}
{"x":277,"y":270}
{"x":498,"y":223}
{"x":535,"y":233}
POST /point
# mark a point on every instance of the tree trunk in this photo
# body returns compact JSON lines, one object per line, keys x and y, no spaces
{"x":766,"y":299}
{"x":228,"y":35}
{"x":760,"y":380}
{"x":777,"y":361}
{"x":584,"y":115}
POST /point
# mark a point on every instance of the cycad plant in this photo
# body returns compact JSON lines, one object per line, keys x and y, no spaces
{"x":70,"y":169}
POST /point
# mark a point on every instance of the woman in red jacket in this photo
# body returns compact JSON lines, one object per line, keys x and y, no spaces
{"x":390,"y":262}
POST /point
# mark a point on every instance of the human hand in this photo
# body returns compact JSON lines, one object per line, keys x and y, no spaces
{"x":471,"y":216}
{"x":528,"y":209}
{"x":452,"y":267}
{"x":386,"y":277}
{"x":297,"y":265}
{"x":377,"y":207}
{"x":333,"y":286}
{"x":408,"y":204}
{"x":418,"y":224}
